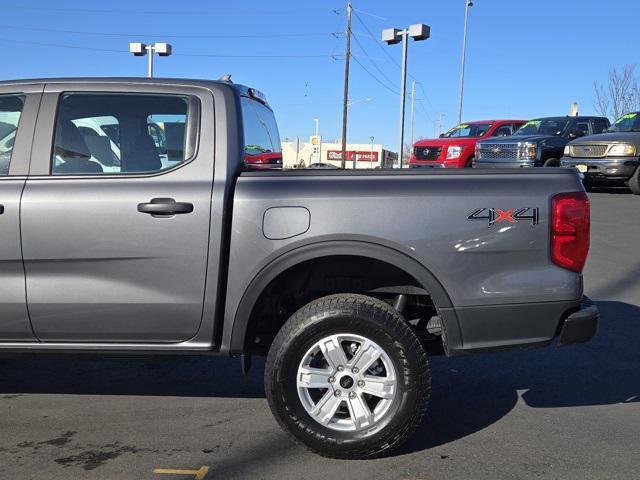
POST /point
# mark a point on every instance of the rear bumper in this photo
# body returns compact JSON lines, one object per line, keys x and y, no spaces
{"x":610,"y":169}
{"x":581,"y":326}
{"x":520,"y":326}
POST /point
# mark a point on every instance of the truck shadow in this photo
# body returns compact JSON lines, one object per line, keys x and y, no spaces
{"x":471,"y":393}
{"x":179,"y":376}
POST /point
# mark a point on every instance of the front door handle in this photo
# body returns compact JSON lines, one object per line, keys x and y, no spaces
{"x":165,"y":207}
{"x":1,"y":209}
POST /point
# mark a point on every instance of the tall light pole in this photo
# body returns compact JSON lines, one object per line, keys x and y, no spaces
{"x":413,"y":93}
{"x":140,"y":50}
{"x":392,"y":36}
{"x":468,"y":5}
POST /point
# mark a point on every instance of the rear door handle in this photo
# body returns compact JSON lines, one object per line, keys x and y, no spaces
{"x":1,"y":209}
{"x":165,"y":207}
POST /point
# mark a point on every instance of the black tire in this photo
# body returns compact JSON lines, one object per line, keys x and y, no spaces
{"x":357,"y":315}
{"x":552,"y":162}
{"x":634,"y":182}
{"x":469,"y":163}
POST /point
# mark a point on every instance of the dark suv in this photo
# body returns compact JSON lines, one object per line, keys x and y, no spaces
{"x":539,"y":142}
{"x":611,"y":158}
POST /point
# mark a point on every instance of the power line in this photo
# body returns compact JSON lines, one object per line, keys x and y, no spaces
{"x":426,"y":97}
{"x":374,"y":77}
{"x":375,"y":65}
{"x":386,"y":52}
{"x":222,"y":55}
{"x":155,"y":12}
{"x":114,"y":34}
{"x":55,"y":45}
{"x":424,"y":110}
{"x":370,"y":14}
{"x":216,"y":55}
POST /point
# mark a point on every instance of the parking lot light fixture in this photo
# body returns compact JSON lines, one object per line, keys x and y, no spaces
{"x":391,"y":36}
{"x":138,"y":49}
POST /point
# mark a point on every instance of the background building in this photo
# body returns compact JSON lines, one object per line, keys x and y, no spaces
{"x":299,"y":154}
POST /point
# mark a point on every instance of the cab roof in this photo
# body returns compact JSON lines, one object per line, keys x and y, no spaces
{"x":241,"y":89}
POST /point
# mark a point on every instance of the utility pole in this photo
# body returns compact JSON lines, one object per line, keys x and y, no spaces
{"x":468,"y":4}
{"x":345,"y":101}
{"x":413,"y":93}
{"x":439,"y":124}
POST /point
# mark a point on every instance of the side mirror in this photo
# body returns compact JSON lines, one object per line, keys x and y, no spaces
{"x":441,"y":135}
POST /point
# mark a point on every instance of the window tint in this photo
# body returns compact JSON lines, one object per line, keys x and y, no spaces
{"x":10,"y":111}
{"x":262,"y":147}
{"x":503,"y":131}
{"x":582,"y":128}
{"x":544,"y":126}
{"x":468,"y":130}
{"x":599,"y":125}
{"x":119,"y":133}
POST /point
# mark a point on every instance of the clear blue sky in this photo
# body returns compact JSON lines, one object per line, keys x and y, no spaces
{"x":525,"y":59}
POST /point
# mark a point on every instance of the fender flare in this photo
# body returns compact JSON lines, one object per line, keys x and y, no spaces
{"x":234,"y":334}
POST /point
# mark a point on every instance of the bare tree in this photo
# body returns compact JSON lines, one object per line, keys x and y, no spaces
{"x":621,"y":95}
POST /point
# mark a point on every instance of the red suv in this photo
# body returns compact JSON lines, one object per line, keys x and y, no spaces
{"x":455,"y":149}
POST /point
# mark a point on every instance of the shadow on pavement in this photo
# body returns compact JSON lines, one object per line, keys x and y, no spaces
{"x":612,"y":190}
{"x":164,"y":376}
{"x":469,"y":394}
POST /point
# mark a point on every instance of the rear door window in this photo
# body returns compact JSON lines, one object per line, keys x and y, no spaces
{"x":10,"y":112}
{"x":113,"y":133}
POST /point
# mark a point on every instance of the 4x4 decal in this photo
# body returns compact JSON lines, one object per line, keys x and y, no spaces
{"x":512,"y":215}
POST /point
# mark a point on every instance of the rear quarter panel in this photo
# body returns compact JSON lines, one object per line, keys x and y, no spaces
{"x":422,"y":215}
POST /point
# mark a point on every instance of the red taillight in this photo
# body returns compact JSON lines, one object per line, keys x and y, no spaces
{"x":570,"y":230}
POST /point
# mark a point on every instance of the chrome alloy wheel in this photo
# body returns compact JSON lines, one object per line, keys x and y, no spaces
{"x":346,"y":382}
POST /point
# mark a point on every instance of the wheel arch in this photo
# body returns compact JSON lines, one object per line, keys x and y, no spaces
{"x":237,"y":323}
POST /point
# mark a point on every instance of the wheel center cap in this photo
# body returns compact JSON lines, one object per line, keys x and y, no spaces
{"x":346,"y":382}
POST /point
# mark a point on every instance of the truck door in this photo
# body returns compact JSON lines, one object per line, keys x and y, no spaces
{"x":18,"y":111}
{"x":115,"y":229}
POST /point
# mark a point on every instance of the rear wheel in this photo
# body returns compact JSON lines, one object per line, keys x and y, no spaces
{"x":347,"y":377}
{"x":634,"y":182}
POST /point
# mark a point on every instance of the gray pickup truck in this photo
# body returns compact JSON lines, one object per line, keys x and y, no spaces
{"x":128,"y":226}
{"x":610,"y":158}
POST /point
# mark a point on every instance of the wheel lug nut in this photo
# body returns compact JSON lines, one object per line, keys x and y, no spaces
{"x":340,"y":368}
{"x":352,"y":395}
{"x":338,"y":393}
{"x":361,"y":383}
{"x":332,"y":379}
{"x":355,"y":369}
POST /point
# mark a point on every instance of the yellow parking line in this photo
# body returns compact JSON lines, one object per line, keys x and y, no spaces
{"x":199,"y":474}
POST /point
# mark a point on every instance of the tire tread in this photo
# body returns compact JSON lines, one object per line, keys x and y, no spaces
{"x":306,"y":316}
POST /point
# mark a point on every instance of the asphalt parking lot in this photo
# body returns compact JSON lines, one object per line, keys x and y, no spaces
{"x":569,"y":413}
